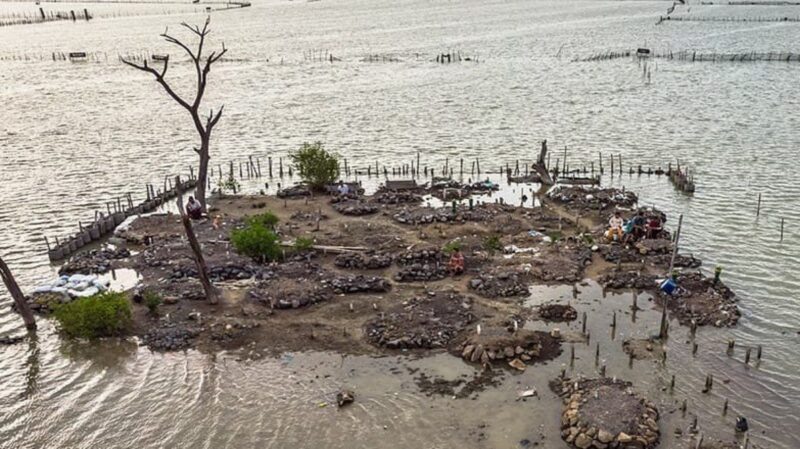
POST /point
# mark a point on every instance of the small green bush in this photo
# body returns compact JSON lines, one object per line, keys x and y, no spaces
{"x":451,"y":247}
{"x":303,"y":244}
{"x":267,"y":219}
{"x":316,"y":166}
{"x":229,"y":184}
{"x":256,"y":240}
{"x":101,"y":315}
{"x":152,"y":300}
{"x":555,"y":235}
{"x":492,"y":243}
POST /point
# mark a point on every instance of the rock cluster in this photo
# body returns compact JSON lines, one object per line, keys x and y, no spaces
{"x":503,"y":284}
{"x":357,"y":284}
{"x":225,"y":272}
{"x":578,"y":197}
{"x":290,"y":299}
{"x":698,"y":298}
{"x":429,"y":321}
{"x":170,"y":337}
{"x":95,"y":261}
{"x":606,"y":413}
{"x":396,"y":197}
{"x":294,"y":191}
{"x":628,"y":279}
{"x":358,"y":261}
{"x":355,"y":208}
{"x":421,"y":272}
{"x":428,"y":255}
{"x":496,"y":344}
{"x":557,"y":312}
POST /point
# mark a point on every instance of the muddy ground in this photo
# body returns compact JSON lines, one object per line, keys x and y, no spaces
{"x":379,"y":282}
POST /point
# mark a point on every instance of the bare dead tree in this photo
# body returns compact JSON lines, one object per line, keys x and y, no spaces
{"x":204,"y":125}
{"x":19,"y":299}
{"x":202,"y":270}
{"x":541,"y":167}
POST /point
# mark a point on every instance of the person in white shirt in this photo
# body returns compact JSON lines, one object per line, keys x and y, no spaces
{"x":615,"y":224}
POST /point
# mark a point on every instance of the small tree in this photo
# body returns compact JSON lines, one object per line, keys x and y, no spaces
{"x":316,"y":166}
{"x":204,"y":125}
{"x":102,"y":315}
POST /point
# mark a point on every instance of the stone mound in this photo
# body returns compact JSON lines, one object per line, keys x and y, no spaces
{"x":356,"y":261}
{"x":496,"y":344}
{"x":501,"y":284}
{"x":557,"y":312}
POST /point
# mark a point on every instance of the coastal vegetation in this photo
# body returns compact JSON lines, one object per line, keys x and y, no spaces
{"x":102,"y":315}
{"x":315,"y":165}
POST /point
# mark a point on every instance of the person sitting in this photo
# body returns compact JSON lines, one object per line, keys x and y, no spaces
{"x":615,"y":223}
{"x":635,"y":228}
{"x":654,"y":227}
{"x":343,"y":189}
{"x":194,"y":209}
{"x":456,"y":264}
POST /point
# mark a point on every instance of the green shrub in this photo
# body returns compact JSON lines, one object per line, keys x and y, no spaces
{"x":492,"y":243}
{"x":316,"y":166}
{"x":152,"y":300}
{"x":267,"y":220}
{"x":451,"y":247}
{"x":101,"y":315}
{"x":303,"y":244}
{"x":229,"y":184}
{"x":257,"y":241}
{"x":555,"y":235}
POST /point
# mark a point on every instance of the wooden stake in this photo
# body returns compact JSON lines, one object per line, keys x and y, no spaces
{"x":19,"y":298}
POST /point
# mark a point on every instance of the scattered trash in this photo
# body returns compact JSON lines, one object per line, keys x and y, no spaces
{"x":527,"y":393}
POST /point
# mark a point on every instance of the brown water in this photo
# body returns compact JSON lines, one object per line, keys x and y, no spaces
{"x":77,"y":135}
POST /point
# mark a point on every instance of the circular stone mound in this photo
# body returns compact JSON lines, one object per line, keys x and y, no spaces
{"x":606,"y":413}
{"x":426,"y":322}
{"x":557,"y":312}
{"x":355,"y":208}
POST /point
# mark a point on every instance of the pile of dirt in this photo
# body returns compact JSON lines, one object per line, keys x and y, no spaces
{"x":520,"y":348}
{"x":557,"y":312}
{"x":561,"y":263}
{"x":606,"y":413}
{"x":95,"y":261}
{"x":698,"y":298}
{"x":426,"y":322}
{"x":460,"y":388}
{"x":358,"y":261}
{"x":501,"y":283}
{"x":623,"y":279}
{"x":294,"y":192}
{"x":355,"y":208}
{"x":358,"y":284}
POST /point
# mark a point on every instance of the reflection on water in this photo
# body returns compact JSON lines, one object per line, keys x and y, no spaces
{"x":734,"y":124}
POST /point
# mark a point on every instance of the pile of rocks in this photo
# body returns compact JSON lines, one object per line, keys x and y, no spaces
{"x":355,"y":208}
{"x":606,"y":413}
{"x":421,"y":272}
{"x":229,"y":271}
{"x":503,"y":284}
{"x":357,"y":284}
{"x":170,"y":337}
{"x":578,"y":197}
{"x":424,"y":215}
{"x":557,"y":312}
{"x":308,"y":216}
{"x":95,"y":261}
{"x":357,"y":261}
{"x":561,"y":264}
{"x":429,"y":321}
{"x":340,"y":198}
{"x":289,"y":299}
{"x":496,"y":344}
{"x":294,"y":191}
{"x":396,"y":197}
{"x":698,"y":298}
{"x":425,"y":255}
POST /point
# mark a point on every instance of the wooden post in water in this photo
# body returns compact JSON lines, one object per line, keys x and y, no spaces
{"x":19,"y":299}
{"x":782,"y":220}
{"x":758,"y":208}
{"x":663,"y":329}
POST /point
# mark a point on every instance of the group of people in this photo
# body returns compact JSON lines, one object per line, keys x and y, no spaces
{"x":636,"y":228}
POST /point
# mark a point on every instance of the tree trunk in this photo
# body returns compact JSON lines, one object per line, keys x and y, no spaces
{"x":202,"y":173}
{"x":19,"y":299}
{"x":541,"y":168}
{"x":202,"y":271}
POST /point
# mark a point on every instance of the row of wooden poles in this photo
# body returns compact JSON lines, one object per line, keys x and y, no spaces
{"x":695,"y":56}
{"x":42,"y":16}
{"x":116,"y":212}
{"x":709,"y":378}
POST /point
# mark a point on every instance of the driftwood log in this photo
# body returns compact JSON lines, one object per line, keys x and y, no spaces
{"x":540,"y":167}
{"x":19,"y":299}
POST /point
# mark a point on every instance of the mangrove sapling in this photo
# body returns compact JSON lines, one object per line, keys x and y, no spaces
{"x":317,"y":167}
{"x":152,"y":300}
{"x":101,"y":315}
{"x":257,"y":240}
{"x":202,"y":66}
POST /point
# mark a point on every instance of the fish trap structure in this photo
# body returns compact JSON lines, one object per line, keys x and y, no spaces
{"x":694,"y":56}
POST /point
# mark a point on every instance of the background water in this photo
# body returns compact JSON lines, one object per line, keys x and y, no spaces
{"x":77,"y":135}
